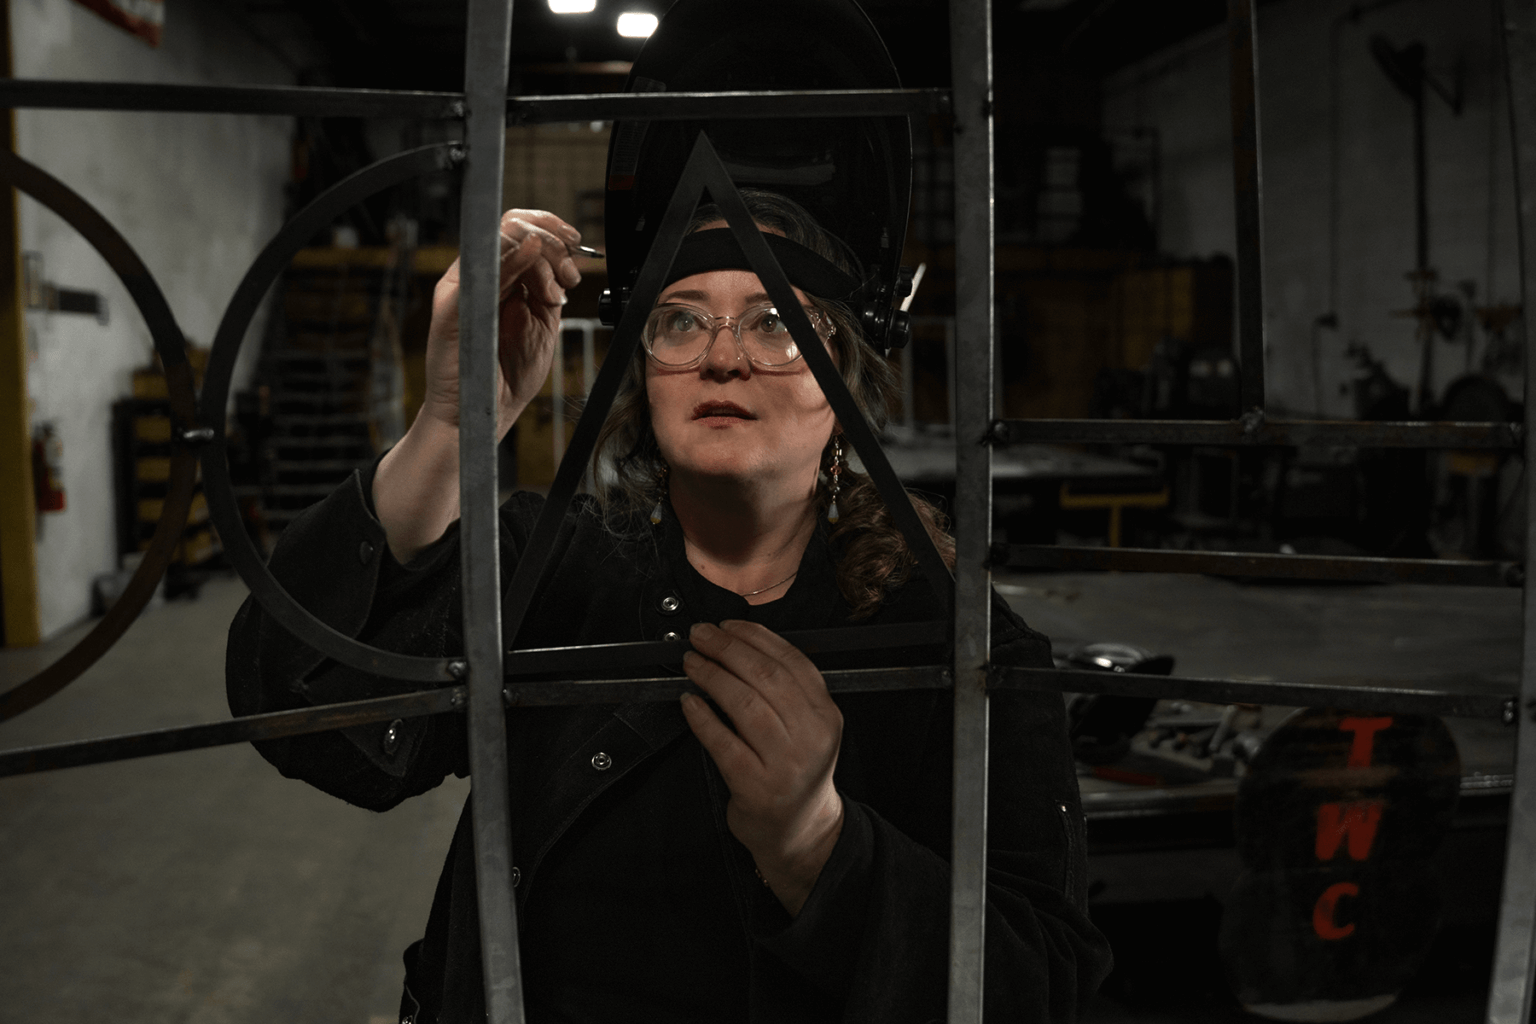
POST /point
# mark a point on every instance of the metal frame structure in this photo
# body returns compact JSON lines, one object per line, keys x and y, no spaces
{"x":486,"y":679}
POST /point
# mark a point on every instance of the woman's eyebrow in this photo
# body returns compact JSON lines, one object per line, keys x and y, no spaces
{"x":698,"y":296}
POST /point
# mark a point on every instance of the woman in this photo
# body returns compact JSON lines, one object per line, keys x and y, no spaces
{"x":779,"y":856}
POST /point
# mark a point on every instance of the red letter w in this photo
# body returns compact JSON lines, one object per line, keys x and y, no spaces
{"x":1357,"y":820}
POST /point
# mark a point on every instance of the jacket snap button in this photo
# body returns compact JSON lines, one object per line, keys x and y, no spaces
{"x":517,"y":875}
{"x":364,"y":552}
{"x":671,"y":636}
{"x":392,"y":736}
{"x":669,"y":604}
{"x":601,"y":761}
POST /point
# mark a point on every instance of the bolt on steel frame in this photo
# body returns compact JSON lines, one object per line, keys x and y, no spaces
{"x":486,"y":678}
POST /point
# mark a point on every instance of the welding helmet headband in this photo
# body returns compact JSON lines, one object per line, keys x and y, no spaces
{"x":717,"y":249}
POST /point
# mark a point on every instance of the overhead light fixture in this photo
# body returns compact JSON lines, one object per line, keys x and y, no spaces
{"x":637,"y":24}
{"x":573,"y":6}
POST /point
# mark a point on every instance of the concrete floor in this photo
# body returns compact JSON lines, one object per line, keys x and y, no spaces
{"x":203,"y":887}
{"x":199,"y":887}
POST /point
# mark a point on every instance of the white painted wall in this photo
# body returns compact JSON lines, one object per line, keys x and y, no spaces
{"x":196,"y":195}
{"x":1183,"y":95}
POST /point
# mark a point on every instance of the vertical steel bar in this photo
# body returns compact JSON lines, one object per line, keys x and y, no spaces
{"x":486,"y":57}
{"x":970,"y":27}
{"x":1247,"y":181}
{"x":588,"y":356}
{"x":588,"y":375}
{"x":557,"y":397}
{"x":952,"y":373}
{"x":1509,"y":995}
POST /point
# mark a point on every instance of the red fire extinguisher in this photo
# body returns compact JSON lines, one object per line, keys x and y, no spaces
{"x":48,"y":468}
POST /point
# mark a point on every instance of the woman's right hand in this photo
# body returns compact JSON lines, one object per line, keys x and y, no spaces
{"x":536,"y":269}
{"x":416,"y":487}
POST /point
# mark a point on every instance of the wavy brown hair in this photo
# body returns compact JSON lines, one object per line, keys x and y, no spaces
{"x":871,"y":552}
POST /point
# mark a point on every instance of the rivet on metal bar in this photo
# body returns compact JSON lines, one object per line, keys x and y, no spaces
{"x":1511,"y":711}
{"x":1252,"y":421}
{"x":458,"y":669}
{"x":998,"y":433}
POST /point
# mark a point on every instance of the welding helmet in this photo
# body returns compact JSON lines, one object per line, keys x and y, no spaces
{"x":853,"y":175}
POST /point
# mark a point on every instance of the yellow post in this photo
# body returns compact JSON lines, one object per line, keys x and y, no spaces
{"x":18,"y":510}
{"x":1116,"y":503}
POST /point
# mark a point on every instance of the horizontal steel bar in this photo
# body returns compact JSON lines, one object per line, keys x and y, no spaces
{"x":1404,"y":700}
{"x":1375,"y":697}
{"x":228,"y":99}
{"x":75,"y":753}
{"x":669,"y":653}
{"x":668,"y":688}
{"x":58,"y":94}
{"x":697,"y":106}
{"x":1256,"y":430}
{"x":1289,"y":567}
{"x":1218,"y":795}
{"x":238,"y":730}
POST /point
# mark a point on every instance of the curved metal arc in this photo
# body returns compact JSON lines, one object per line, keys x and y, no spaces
{"x":222,"y":505}
{"x":167,"y":336}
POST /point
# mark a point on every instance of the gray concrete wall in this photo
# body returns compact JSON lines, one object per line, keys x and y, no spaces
{"x":196,"y":196}
{"x":1318,"y":82}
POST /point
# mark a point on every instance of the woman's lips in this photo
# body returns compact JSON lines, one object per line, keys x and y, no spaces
{"x":706,"y":410}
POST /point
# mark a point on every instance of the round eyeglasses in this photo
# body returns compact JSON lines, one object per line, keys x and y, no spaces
{"x":679,"y":336}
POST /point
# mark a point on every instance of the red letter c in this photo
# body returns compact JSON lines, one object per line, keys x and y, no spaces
{"x":1323,"y":921}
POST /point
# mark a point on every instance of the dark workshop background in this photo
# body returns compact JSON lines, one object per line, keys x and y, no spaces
{"x":202,"y":887}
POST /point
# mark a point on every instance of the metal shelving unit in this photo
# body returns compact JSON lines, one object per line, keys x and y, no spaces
{"x":487,"y":678}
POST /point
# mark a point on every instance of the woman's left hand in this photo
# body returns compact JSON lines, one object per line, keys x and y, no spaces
{"x":778,"y":761}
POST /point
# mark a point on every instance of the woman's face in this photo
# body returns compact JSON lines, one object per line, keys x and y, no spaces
{"x":729,"y":418}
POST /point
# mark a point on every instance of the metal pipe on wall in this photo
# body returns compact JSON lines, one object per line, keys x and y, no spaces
{"x":1248,"y":188}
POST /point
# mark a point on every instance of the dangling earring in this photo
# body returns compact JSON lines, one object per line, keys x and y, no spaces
{"x":661,"y":493}
{"x":834,"y":472}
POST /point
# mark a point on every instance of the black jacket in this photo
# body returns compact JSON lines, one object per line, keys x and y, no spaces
{"x":871,"y":943}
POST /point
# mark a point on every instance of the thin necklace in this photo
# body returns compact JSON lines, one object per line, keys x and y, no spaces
{"x":765,"y":590}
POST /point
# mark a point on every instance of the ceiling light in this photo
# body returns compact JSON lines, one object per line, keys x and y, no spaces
{"x":573,"y":6}
{"x":636,"y":24}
